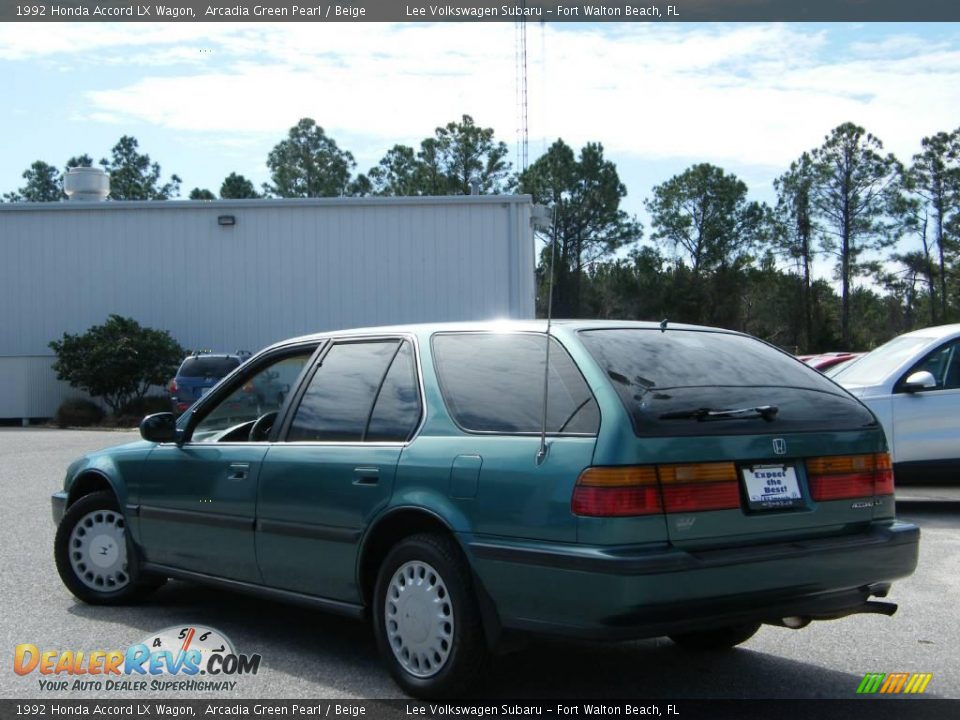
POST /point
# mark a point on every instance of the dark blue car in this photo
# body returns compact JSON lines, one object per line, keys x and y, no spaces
{"x":197,"y":374}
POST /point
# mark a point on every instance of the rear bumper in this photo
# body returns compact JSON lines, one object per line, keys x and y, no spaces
{"x":58,"y":505}
{"x":618,"y":593}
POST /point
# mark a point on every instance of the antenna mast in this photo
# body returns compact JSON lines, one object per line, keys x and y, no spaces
{"x":542,"y":452}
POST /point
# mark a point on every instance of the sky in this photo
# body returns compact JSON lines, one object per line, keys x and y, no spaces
{"x":206,"y":99}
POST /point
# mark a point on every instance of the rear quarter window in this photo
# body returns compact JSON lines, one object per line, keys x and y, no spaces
{"x":660,"y":376}
{"x":493,"y":383}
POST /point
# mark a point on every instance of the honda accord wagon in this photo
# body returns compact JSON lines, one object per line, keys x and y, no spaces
{"x":463,"y":485}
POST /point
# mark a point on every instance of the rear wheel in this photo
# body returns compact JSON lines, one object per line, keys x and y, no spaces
{"x":717,"y":639}
{"x":426,"y":618}
{"x":94,"y":555}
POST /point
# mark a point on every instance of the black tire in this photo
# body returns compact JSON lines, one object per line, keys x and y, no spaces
{"x":468,"y":656}
{"x":137,"y":585}
{"x":717,"y":639}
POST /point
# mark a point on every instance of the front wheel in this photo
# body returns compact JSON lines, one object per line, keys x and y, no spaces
{"x":426,"y":619}
{"x":717,"y":639}
{"x":94,"y":555}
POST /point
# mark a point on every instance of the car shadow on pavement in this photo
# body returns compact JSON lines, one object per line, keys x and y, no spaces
{"x":308,"y":646}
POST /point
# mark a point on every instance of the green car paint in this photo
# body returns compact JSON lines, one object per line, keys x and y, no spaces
{"x":305,"y":520}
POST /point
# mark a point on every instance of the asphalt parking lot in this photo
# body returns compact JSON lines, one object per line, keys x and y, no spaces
{"x":307,"y":654}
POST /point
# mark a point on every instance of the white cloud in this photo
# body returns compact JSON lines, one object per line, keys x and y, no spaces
{"x":750,"y":94}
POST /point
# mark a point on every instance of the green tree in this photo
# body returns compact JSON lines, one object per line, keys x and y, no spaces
{"x":117,"y":361}
{"x":704,"y":214}
{"x":584,"y":195}
{"x":459,"y":155}
{"x":78,"y":161}
{"x":796,"y":229}
{"x":134,"y":177}
{"x":852,"y":197}
{"x":202,"y":194}
{"x":468,"y":153}
{"x":399,"y":172}
{"x":308,"y":163}
{"x":44,"y":184}
{"x":934,"y":178}
{"x":237,"y":187}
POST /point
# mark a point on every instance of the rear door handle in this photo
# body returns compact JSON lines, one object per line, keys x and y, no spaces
{"x":366,"y":476}
{"x":239,"y":471}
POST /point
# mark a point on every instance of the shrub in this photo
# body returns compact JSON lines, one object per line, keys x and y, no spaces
{"x":78,"y":412}
{"x":117,"y":361}
{"x":134,"y":411}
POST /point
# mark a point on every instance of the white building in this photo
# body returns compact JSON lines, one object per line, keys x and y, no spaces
{"x":239,"y":274}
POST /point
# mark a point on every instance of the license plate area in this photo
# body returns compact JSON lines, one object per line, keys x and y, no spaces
{"x":771,"y":487}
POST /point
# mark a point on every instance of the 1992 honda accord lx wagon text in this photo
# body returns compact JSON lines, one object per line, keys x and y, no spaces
{"x":693,"y":483}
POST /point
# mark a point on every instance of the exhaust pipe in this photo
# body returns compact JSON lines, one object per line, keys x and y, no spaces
{"x":870,"y":607}
{"x":794,"y":622}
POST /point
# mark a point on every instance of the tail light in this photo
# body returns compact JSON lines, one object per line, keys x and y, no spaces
{"x":644,"y":490}
{"x":182,"y":406}
{"x":616,"y":492}
{"x":701,"y":486}
{"x":850,"y":476}
{"x":172,"y":386}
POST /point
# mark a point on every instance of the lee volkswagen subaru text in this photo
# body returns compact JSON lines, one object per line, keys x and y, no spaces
{"x":690,"y":482}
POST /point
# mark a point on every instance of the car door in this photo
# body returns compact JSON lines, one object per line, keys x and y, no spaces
{"x":197,"y":500}
{"x":334,"y":465}
{"x":926,"y":423}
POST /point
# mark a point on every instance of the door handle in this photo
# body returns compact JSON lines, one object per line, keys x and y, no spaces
{"x":366,"y":475}
{"x":239,"y":471}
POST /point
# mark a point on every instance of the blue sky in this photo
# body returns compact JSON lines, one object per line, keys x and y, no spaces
{"x":208,"y":99}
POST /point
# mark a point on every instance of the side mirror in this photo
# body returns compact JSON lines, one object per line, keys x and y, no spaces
{"x":920,"y":380}
{"x":159,"y":428}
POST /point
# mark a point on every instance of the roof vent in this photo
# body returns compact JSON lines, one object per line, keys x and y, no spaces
{"x":86,"y":184}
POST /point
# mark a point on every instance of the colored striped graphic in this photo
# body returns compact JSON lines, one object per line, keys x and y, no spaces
{"x":894,"y":683}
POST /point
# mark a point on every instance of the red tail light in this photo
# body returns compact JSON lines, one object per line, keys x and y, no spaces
{"x":699,"y":486}
{"x":631,"y":491}
{"x":172,"y":387}
{"x":616,"y":492}
{"x":842,"y":477}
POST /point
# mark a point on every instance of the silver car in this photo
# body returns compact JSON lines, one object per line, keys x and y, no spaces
{"x":912,"y":384}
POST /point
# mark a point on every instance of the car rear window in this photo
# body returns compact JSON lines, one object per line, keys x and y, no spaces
{"x":208,"y":367}
{"x":669,"y":381}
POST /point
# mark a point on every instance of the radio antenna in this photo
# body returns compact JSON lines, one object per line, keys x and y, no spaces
{"x":542,"y":452}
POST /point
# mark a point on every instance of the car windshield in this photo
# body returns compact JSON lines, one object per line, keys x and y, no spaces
{"x":876,"y":366}
{"x":207,"y":366}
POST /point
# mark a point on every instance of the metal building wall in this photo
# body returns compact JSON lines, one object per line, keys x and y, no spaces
{"x":287,"y":267}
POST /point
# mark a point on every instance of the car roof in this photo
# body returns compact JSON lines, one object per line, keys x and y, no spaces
{"x":505,"y":325}
{"x":937,"y":332}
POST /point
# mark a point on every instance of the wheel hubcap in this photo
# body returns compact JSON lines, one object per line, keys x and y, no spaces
{"x":98,"y":551}
{"x":418,"y":615}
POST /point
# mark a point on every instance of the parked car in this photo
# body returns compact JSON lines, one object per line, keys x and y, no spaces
{"x":912,"y":384}
{"x":197,"y":374}
{"x":684,"y":481}
{"x":825,"y":361}
{"x":836,"y":368}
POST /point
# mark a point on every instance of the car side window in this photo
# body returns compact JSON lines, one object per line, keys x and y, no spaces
{"x":944,"y":364}
{"x":259,"y":392}
{"x":493,"y":382}
{"x":397,"y":410}
{"x":361,"y":391}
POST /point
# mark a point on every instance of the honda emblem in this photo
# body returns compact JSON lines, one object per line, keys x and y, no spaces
{"x":779,"y":446}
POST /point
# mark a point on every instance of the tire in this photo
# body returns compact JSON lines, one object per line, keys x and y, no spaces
{"x":94,"y":555}
{"x":429,"y":655}
{"x":718,"y":639}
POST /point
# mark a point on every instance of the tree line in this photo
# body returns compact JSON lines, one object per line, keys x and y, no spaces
{"x":715,"y":256}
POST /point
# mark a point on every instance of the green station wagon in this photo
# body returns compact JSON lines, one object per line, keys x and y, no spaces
{"x":680,"y":481}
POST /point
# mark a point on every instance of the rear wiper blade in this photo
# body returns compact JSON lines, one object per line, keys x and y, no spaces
{"x":767,"y":412}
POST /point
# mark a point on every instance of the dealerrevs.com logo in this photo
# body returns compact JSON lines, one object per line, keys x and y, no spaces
{"x":191,"y":658}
